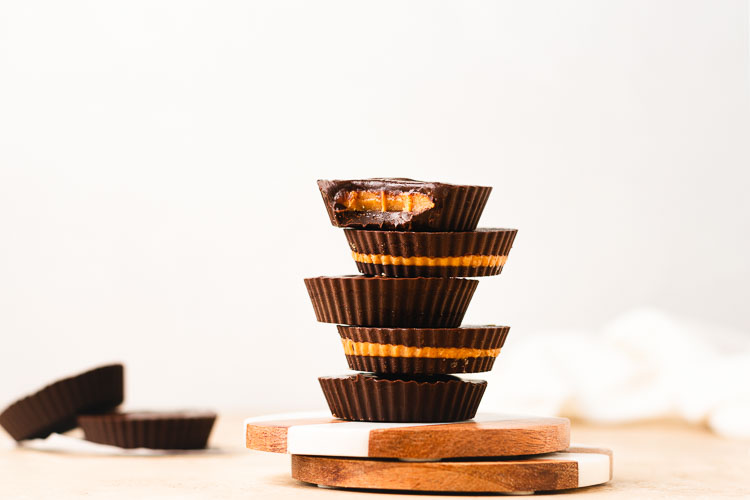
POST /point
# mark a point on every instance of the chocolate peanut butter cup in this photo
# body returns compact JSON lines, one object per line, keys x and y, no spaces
{"x":468,"y":349}
{"x":403,"y":254}
{"x":387,"y":398}
{"x":154,"y":430}
{"x":55,"y":407}
{"x":391,"y":302}
{"x":403,"y":204}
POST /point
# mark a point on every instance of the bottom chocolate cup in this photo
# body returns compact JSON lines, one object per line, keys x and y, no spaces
{"x":391,"y":398}
{"x":54,"y":408}
{"x":155,"y":430}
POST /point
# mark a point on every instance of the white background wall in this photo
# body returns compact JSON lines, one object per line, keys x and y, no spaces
{"x":158,"y":163}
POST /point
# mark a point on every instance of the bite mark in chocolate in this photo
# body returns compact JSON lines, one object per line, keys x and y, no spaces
{"x":403,"y":204}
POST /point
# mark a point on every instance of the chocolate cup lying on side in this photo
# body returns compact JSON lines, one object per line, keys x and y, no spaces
{"x":155,"y":430}
{"x":408,"y":254}
{"x":55,"y":407}
{"x":468,"y":349}
{"x":384,"y":398}
{"x":403,"y":204}
{"x":391,"y":302}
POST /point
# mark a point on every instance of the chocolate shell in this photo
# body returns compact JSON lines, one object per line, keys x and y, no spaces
{"x":391,"y":302}
{"x":422,"y":350}
{"x":438,"y":206}
{"x":402,"y":254}
{"x":154,"y":430}
{"x":54,"y":408}
{"x":424,"y":366}
{"x":371,"y":398}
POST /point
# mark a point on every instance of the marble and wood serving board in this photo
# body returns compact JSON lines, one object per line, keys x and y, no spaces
{"x":576,"y":467}
{"x":487,"y":435}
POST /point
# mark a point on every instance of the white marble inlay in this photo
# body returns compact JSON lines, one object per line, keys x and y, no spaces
{"x":593,"y":468}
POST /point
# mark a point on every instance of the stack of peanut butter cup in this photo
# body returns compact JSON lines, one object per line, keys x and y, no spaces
{"x":415,"y":244}
{"x":89,"y":400}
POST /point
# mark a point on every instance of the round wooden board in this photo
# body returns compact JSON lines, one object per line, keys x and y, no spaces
{"x":488,"y":435}
{"x":576,"y":467}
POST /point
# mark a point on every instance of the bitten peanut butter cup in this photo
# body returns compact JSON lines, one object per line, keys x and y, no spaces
{"x":391,"y":302}
{"x":403,"y":204}
{"x":468,"y":349}
{"x":154,"y":430}
{"x":386,"y":398}
{"x":443,"y":254}
{"x":55,"y":407}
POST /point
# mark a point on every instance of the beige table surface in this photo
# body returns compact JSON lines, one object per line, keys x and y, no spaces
{"x":654,"y":460}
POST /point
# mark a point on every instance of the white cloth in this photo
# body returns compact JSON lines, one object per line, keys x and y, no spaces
{"x":645,"y":364}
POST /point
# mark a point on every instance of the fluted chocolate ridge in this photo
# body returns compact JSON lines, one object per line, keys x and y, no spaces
{"x":431,"y":254}
{"x":419,"y":366}
{"x":54,"y":408}
{"x":154,"y":430}
{"x":390,"y":302}
{"x":371,"y":398}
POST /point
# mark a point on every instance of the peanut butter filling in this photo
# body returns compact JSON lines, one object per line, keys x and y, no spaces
{"x":462,"y":261}
{"x":383,"y":201}
{"x":401,"y":351}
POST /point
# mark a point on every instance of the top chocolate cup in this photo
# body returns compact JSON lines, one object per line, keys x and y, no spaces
{"x":403,"y":204}
{"x":55,"y":407}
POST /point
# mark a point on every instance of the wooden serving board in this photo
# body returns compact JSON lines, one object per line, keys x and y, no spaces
{"x":576,"y":467}
{"x":488,"y":435}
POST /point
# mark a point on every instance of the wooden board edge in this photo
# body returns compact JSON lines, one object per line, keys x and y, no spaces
{"x":424,"y":442}
{"x":512,"y":476}
{"x":266,"y":438}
